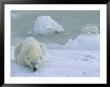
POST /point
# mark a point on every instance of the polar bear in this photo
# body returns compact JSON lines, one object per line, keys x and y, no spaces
{"x":30,"y":52}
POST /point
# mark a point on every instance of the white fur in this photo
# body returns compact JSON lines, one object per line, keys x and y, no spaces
{"x":29,"y":52}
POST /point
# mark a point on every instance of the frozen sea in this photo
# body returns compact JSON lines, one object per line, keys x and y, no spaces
{"x":69,"y":54}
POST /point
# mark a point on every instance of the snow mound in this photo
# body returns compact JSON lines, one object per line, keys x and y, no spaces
{"x":46,"y":25}
{"x":82,"y":42}
{"x":90,"y":29}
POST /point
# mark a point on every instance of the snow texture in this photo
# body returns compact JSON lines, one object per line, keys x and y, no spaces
{"x":46,"y":25}
{"x":76,"y":58}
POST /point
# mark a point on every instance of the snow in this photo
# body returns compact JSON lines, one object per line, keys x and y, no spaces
{"x":46,"y":25}
{"x":63,"y":63}
{"x":82,"y":42}
{"x":76,"y":58}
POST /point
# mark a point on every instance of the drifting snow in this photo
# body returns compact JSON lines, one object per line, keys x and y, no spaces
{"x":46,"y":25}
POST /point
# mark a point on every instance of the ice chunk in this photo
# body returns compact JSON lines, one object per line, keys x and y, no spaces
{"x":45,"y":25}
{"x":90,"y":29}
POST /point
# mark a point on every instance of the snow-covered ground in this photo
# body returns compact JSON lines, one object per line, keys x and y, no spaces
{"x":65,"y":61}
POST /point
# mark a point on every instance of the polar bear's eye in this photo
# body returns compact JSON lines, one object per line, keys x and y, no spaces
{"x":27,"y":57}
{"x":40,"y":57}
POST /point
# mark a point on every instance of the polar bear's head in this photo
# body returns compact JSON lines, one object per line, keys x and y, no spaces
{"x":33,"y":58}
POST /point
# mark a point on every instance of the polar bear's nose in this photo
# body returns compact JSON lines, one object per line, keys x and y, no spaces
{"x":35,"y":69}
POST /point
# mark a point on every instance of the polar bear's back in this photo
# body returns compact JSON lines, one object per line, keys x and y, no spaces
{"x":30,"y":42}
